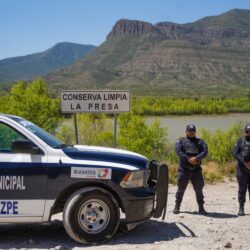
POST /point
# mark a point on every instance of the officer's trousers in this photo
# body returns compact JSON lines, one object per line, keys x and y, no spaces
{"x":243,"y":179}
{"x":197,"y":180}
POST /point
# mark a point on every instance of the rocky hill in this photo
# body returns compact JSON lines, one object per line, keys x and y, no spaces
{"x":208,"y":57}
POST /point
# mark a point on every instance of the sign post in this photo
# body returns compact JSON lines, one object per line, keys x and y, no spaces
{"x":115,"y":128}
{"x":77,"y":101}
{"x":76,"y":129}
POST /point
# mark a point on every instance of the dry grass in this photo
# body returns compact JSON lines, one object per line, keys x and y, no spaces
{"x":172,"y":173}
{"x":212,"y":171}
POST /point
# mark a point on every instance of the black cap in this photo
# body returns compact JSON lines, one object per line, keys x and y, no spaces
{"x":191,"y":127}
{"x":247,"y":128}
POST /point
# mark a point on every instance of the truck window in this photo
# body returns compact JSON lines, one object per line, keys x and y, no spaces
{"x":7,"y":135}
{"x":42,"y":134}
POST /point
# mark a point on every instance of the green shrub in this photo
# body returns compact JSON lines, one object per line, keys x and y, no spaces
{"x":66,"y":134}
{"x":93,"y":129}
{"x":188,"y":106}
{"x":221,"y":143}
{"x":136,"y":136}
{"x":33,"y":103}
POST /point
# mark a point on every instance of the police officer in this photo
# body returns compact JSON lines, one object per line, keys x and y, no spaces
{"x":191,"y":150}
{"x":242,"y":155}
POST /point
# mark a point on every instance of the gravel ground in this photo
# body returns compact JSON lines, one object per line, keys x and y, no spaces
{"x":220,"y":229}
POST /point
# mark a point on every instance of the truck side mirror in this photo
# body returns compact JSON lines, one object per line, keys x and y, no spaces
{"x":24,"y":146}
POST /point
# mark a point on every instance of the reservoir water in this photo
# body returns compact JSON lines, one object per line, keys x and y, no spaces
{"x":177,"y":124}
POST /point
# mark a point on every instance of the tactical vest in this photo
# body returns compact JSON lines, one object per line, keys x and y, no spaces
{"x":191,"y":149}
{"x":245,"y":149}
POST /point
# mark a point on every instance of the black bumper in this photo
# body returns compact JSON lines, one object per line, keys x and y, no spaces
{"x":144,"y":203}
{"x":138,"y":210}
{"x":159,"y":175}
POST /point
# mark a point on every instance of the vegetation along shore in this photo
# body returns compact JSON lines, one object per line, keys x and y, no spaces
{"x":33,"y":102}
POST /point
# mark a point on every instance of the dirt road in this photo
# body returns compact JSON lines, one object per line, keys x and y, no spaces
{"x":220,"y":229}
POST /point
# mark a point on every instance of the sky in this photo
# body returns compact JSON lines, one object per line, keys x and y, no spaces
{"x":30,"y":26}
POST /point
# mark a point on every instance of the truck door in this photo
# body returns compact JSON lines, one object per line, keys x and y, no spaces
{"x":23,"y":180}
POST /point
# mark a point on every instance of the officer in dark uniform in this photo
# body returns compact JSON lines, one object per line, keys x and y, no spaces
{"x":242,"y":155}
{"x":191,"y":150}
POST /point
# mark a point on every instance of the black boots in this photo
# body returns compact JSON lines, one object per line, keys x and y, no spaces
{"x":202,"y":209}
{"x":178,"y":205}
{"x":241,"y":210}
{"x":177,"y":208}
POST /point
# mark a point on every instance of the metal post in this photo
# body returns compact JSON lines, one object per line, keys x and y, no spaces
{"x":76,"y":130}
{"x":115,"y":128}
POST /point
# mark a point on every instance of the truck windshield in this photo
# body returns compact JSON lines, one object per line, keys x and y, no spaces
{"x":42,"y":134}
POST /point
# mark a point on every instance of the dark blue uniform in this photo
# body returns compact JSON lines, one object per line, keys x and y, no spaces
{"x":242,"y":154}
{"x":186,"y":148}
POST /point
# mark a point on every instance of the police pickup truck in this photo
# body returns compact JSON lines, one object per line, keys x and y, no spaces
{"x":40,"y":176}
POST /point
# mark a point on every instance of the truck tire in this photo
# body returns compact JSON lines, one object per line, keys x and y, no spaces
{"x":91,"y":215}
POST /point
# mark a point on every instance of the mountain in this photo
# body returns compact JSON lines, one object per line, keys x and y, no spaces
{"x":39,"y":64}
{"x":208,"y":57}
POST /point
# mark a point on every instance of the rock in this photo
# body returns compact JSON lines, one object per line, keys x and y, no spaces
{"x":210,"y":230}
{"x":228,"y":245}
{"x":125,"y":26}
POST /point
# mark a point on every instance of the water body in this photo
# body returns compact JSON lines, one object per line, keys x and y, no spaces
{"x":177,"y":124}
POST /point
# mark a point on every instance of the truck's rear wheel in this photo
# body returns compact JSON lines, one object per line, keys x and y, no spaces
{"x":91,"y":216}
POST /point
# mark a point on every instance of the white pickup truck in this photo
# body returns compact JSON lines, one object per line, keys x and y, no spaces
{"x":41,"y":176}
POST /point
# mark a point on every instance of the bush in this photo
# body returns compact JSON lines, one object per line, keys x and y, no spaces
{"x":33,"y":103}
{"x":172,"y":157}
{"x":93,"y":129}
{"x":136,"y":136}
{"x":188,"y":106}
{"x":212,"y":172}
{"x":133,"y":134}
{"x":66,"y":134}
{"x":172,"y":171}
{"x":221,"y":143}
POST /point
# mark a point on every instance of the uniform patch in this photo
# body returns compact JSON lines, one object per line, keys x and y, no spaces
{"x":91,"y":173}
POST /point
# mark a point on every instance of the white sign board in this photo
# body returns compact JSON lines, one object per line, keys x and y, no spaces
{"x":76,"y":101}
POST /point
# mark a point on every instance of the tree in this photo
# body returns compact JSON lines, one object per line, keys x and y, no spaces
{"x":93,"y":129}
{"x":136,"y":135}
{"x":33,"y":103}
